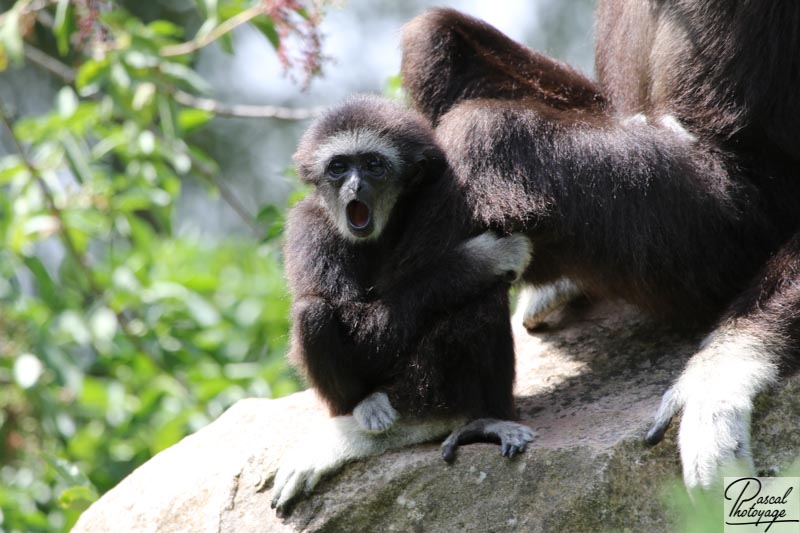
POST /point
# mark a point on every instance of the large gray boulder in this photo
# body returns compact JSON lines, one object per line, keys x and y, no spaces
{"x":589,"y":388}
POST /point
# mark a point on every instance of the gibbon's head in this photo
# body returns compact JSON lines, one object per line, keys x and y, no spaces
{"x":362,"y":156}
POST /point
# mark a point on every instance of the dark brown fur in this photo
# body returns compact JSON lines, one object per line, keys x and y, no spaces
{"x":406,"y":314}
{"x":685,"y":229}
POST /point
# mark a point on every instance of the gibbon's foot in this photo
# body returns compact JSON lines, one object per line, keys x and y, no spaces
{"x":512,"y":437}
{"x":540,"y":302}
{"x":299,"y":475}
{"x":375,"y":413}
{"x":332,"y":444}
{"x":507,"y":257}
{"x":713,"y":436}
{"x":715,"y":395}
{"x":337,"y":441}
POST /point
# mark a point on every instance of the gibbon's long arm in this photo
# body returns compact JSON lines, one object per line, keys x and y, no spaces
{"x":638,"y":209}
{"x":449,"y":57}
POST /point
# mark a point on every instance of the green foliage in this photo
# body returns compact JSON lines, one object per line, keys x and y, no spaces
{"x":702,"y":511}
{"x":119,"y":337}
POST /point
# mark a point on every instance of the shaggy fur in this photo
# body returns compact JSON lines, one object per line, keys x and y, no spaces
{"x":698,"y":225}
{"x":628,"y":209}
{"x":415,"y":313}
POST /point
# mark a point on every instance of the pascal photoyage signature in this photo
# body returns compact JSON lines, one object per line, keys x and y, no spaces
{"x":750,"y":507}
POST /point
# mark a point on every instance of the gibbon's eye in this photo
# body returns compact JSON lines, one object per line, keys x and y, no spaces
{"x":337,"y":167}
{"x":375,"y":165}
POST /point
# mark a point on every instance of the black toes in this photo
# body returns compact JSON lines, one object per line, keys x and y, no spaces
{"x":656,"y":433}
{"x":283,"y":511}
{"x":510,"y":450}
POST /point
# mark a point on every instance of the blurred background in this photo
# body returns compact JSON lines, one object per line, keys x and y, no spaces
{"x":145,"y":166}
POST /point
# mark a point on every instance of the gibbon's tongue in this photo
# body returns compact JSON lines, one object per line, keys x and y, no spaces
{"x":358,"y":214}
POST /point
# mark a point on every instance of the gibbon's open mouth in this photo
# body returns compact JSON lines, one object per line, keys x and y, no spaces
{"x":358,"y":215}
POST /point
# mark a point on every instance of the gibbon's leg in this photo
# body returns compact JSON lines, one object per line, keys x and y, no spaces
{"x":535,"y":304}
{"x":316,"y":330}
{"x":449,"y":57}
{"x":340,"y":440}
{"x":741,"y":358}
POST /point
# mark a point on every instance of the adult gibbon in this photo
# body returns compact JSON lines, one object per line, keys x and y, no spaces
{"x":672,"y":182}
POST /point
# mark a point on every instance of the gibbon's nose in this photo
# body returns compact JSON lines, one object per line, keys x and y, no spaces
{"x":354,"y":183}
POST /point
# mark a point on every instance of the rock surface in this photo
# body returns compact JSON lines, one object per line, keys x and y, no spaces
{"x":589,"y":388}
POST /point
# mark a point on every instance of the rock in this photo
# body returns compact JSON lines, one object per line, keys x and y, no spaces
{"x":589,"y":388}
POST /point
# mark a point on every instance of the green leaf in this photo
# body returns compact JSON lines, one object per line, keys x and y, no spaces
{"x":77,"y":498}
{"x":141,"y":232}
{"x":78,"y":158}
{"x":67,"y":471}
{"x":186,"y":76}
{"x":140,"y":60}
{"x":143,"y":95}
{"x":73,"y":325}
{"x":87,"y":220}
{"x":130,"y":201}
{"x":298,"y":195}
{"x":394,"y":88}
{"x":203,"y":160}
{"x":93,"y":395}
{"x":147,"y":142}
{"x":191,"y":119}
{"x":103,"y":324}
{"x":272,"y":220}
{"x":11,"y":167}
{"x":61,"y":28}
{"x":165,"y":28}
{"x":41,"y":225}
{"x":168,"y":434}
{"x":226,"y":43}
{"x":90,"y":75}
{"x":66,"y":102}
{"x":120,"y":76}
{"x":165,"y":113}
{"x":11,"y":37}
{"x":267,"y":27}
{"x":45,"y":286}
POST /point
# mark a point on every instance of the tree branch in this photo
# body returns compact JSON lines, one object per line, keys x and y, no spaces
{"x":228,"y":195}
{"x":220,"y":30}
{"x":67,"y":75}
{"x":244,"y":110}
{"x":50,"y":64}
